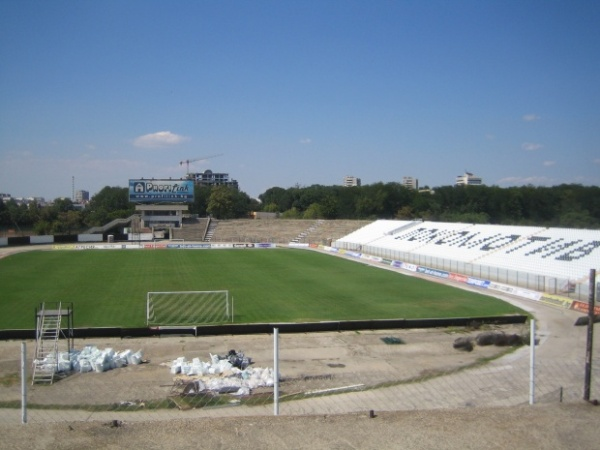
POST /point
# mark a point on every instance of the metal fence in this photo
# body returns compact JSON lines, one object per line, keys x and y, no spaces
{"x":320,"y":373}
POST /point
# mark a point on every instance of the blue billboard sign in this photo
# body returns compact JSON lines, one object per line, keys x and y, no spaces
{"x":161,"y":191}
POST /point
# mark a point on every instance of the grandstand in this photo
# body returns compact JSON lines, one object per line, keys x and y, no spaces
{"x":279,"y":231}
{"x":551,"y":260}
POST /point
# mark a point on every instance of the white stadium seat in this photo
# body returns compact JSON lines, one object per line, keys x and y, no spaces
{"x":566,"y":254}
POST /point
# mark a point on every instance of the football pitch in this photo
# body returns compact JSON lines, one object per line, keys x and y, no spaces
{"x":108,"y":287}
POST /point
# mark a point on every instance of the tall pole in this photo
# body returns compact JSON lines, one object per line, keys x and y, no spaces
{"x":532,"y":363}
{"x":23,"y":382}
{"x":276,"y":371}
{"x":590,"y":336}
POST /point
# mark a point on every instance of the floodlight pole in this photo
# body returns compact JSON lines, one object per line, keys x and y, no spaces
{"x":590,"y":336}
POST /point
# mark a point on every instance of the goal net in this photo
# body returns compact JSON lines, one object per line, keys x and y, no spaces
{"x":188,"y":308}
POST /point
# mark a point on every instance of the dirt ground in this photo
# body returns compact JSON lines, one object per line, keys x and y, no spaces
{"x":539,"y":427}
{"x":546,"y":426}
{"x":307,"y":361}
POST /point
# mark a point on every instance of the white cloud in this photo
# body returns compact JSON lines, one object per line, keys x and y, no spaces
{"x":306,"y":141}
{"x":522,"y":181}
{"x":531,"y":146}
{"x":531,"y":117}
{"x":160,"y":139}
{"x":549,"y":163}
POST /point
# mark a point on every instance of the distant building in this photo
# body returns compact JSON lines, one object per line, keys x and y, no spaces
{"x":82,"y":197}
{"x":350,"y":181}
{"x":410,"y":183}
{"x":40,"y":201}
{"x":468,"y":179}
{"x":209,"y":178}
{"x":159,"y":217}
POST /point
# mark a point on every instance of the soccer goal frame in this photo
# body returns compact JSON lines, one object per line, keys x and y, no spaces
{"x":179,"y":308}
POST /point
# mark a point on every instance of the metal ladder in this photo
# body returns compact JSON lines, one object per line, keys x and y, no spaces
{"x":45,"y":364}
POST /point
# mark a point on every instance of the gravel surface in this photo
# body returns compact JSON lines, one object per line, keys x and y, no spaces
{"x":555,"y":426}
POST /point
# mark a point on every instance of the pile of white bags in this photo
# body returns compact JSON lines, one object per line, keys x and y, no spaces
{"x":90,"y":359}
{"x":220,"y":375}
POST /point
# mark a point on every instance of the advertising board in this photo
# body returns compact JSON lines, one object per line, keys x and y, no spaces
{"x":161,"y":191}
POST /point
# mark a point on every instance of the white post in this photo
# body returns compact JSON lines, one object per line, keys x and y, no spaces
{"x":276,"y":371}
{"x":532,"y":363}
{"x":23,"y":382}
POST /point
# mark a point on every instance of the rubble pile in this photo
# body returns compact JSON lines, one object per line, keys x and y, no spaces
{"x":499,"y":339}
{"x":222,"y":374}
{"x":90,"y":359}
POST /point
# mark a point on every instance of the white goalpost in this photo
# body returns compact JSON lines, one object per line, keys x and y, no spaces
{"x":177,"y":308}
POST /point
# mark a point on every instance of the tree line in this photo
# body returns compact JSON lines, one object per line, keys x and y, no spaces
{"x":566,"y":206}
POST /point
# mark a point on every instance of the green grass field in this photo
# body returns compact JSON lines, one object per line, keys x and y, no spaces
{"x":108,"y":287}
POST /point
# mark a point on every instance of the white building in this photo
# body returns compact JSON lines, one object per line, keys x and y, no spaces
{"x":468,"y":179}
{"x":350,"y":181}
{"x":410,"y":183}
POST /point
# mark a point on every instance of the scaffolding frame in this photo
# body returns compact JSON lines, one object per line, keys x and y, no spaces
{"x":54,"y":324}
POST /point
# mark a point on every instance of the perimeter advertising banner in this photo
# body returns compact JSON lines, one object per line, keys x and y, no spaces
{"x":155,"y":191}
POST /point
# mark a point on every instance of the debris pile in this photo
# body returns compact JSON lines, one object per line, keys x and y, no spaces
{"x":90,"y":359}
{"x":221,"y":374}
{"x":584,"y":320}
{"x":490,"y":338}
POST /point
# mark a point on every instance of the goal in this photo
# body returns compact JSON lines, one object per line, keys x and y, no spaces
{"x":188,"y":308}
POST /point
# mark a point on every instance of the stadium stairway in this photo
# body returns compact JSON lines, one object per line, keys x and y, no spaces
{"x":192,"y":230}
{"x":113,"y":224}
{"x":302,"y":237}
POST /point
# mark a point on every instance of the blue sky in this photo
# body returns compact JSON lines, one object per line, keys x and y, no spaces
{"x":298,"y":92}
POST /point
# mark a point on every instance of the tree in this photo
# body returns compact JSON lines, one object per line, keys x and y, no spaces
{"x":243,"y":204}
{"x":17,"y":214}
{"x":575,"y":219}
{"x":371,"y":202}
{"x":71,"y":221}
{"x":42,"y":227}
{"x":511,"y":207}
{"x":62,"y":205}
{"x":404,"y":213}
{"x":200,"y":203}
{"x":280,"y":197}
{"x":329,"y":207}
{"x":346,"y":198}
{"x":271,"y":207}
{"x":291,"y":213}
{"x":221,"y":202}
{"x":4,"y":215}
{"x":109,"y":204}
{"x":313,"y":212}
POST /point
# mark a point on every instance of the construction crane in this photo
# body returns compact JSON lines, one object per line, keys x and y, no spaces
{"x":188,"y":161}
